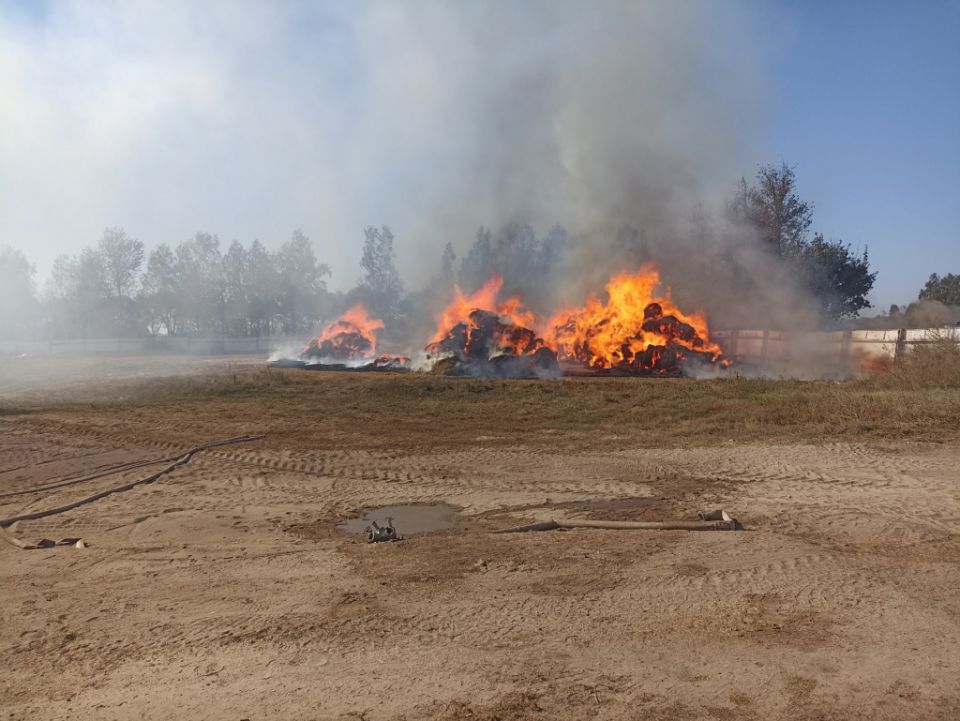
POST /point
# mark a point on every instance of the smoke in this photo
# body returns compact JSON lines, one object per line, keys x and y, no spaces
{"x":626,"y":122}
{"x":928,"y":314}
{"x":249,"y":119}
{"x":595,"y":116}
{"x":919,"y":314}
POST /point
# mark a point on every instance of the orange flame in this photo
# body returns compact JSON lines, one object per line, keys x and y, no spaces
{"x":631,"y":322}
{"x":459,"y":310}
{"x":635,"y":329}
{"x":351,"y":336}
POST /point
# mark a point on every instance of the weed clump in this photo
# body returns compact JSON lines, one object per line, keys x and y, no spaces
{"x":933,"y":364}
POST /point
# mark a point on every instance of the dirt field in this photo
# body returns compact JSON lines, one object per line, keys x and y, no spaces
{"x":225,"y":591}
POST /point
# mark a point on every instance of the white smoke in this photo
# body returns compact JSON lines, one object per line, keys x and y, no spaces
{"x":249,"y":119}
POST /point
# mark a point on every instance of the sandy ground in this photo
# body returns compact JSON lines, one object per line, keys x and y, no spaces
{"x":225,"y":591}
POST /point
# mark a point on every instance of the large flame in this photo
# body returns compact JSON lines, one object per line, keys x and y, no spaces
{"x":462,"y":307}
{"x":489,"y":337}
{"x":633,"y":328}
{"x":352,"y":336}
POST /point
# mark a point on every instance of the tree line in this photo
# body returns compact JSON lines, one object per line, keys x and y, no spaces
{"x":192,"y":289}
{"x":838,"y":279}
{"x":196,"y":288}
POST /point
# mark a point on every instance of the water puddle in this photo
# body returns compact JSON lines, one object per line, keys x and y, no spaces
{"x":408,"y":520}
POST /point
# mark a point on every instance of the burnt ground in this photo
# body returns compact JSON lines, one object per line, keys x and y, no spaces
{"x":225,"y":591}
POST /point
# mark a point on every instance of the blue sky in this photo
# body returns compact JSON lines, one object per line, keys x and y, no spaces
{"x":868,"y":109}
{"x":249,"y":119}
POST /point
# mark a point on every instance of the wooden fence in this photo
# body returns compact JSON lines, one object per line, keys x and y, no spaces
{"x":849,"y":350}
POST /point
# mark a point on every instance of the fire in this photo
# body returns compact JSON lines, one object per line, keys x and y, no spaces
{"x":463,"y":306}
{"x":633,"y":329}
{"x":488,"y":337}
{"x":391,"y":361}
{"x":352,"y":336}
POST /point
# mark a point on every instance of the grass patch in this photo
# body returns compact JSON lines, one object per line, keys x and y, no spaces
{"x":934,"y":364}
{"x":355,"y":410}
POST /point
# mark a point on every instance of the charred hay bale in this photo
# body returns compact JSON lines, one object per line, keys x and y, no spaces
{"x":446,"y":367}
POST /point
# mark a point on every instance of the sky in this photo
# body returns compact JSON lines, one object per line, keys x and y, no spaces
{"x":250,"y":119}
{"x":868,"y":109}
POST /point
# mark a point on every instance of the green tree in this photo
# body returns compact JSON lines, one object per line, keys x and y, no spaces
{"x":200,"y":289}
{"x":944,"y":289}
{"x":263,"y":292}
{"x":18,"y":301}
{"x":381,"y":286}
{"x":300,"y":282}
{"x":479,"y":263}
{"x":447,"y":262}
{"x":236,"y":286}
{"x":772,"y":206}
{"x":59,"y":298}
{"x":551,"y":253}
{"x":122,"y":258}
{"x":837,"y":277}
{"x":159,"y":292}
{"x":91,"y":294}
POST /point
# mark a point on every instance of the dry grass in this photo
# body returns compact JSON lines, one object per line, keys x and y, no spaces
{"x":935,"y":364}
{"x":356,"y":410}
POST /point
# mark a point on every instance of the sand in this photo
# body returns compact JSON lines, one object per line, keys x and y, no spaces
{"x":225,"y":591}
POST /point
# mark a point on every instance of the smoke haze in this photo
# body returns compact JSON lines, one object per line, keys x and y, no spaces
{"x":251,"y":119}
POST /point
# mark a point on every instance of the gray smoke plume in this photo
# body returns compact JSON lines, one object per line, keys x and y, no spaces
{"x":596,"y":116}
{"x":248,"y":119}
{"x":627,"y":123}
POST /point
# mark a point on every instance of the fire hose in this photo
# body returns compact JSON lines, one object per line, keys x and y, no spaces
{"x":175,"y":463}
{"x":713,"y":521}
{"x":88,"y":477}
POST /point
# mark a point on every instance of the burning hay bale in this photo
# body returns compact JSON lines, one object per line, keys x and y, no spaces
{"x":634,"y":332}
{"x":350,"y":337}
{"x":479,"y":337}
{"x":348,"y":343}
{"x":488,"y":346}
{"x":390,"y":362}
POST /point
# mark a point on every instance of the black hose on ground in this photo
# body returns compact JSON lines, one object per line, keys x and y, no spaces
{"x":4,"y":522}
{"x":89,"y":477}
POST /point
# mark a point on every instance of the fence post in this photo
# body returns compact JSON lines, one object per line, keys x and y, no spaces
{"x":845,"y":345}
{"x":900,"y":349}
